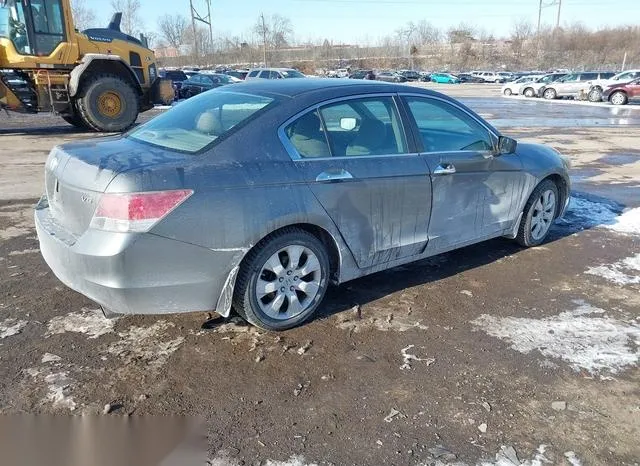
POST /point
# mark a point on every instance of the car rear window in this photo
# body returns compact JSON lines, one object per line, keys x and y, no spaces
{"x":194,"y":124}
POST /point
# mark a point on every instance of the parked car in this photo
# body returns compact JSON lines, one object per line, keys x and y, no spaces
{"x":594,"y":91}
{"x":391,"y":77}
{"x":621,"y":94}
{"x":202,"y":82}
{"x":570,"y":85}
{"x":469,"y":78}
{"x":363,"y":74}
{"x":444,"y":78}
{"x":514,"y":87}
{"x":261,"y":195}
{"x":411,"y":75}
{"x":532,"y":89}
{"x":239,"y":74}
{"x":177,"y":77}
{"x":273,"y":73}
{"x":507,"y":76}
{"x":489,"y":76}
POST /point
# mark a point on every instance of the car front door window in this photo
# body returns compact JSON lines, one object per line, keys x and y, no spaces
{"x":445,"y":128}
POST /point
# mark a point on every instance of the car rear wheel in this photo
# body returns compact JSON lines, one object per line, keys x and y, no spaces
{"x":550,"y":94}
{"x":283,"y":280}
{"x":529,"y":92}
{"x":538,"y":215}
{"x":507,"y":92}
{"x":618,"y":98}
{"x":595,"y":95}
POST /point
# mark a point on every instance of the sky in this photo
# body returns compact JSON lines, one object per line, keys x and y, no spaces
{"x":360,"y":21}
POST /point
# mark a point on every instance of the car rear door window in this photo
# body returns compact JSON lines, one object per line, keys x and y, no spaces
{"x":253,"y":74}
{"x":588,"y":76}
{"x":445,"y":128}
{"x":364,"y":127}
{"x":307,"y":136}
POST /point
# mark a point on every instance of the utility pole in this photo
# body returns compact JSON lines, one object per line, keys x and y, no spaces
{"x":195,"y":31}
{"x":559,"y":8}
{"x":264,"y":40}
{"x":195,"y":16}
{"x":539,"y":16}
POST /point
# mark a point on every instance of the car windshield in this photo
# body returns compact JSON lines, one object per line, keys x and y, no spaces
{"x":199,"y":121}
{"x":292,"y":74}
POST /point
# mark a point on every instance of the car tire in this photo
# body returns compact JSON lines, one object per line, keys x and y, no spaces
{"x":508,"y":92}
{"x":529,"y":92}
{"x":550,"y":94}
{"x":538,"y":215}
{"x":268,"y":284}
{"x":595,"y":95}
{"x":108,"y":103}
{"x":619,"y":98}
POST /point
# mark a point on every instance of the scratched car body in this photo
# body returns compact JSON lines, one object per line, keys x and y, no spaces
{"x":261,"y":194}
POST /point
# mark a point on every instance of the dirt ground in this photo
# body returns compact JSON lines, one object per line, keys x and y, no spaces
{"x":491,"y":354}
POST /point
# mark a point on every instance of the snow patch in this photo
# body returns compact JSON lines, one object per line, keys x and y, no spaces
{"x":24,"y":251}
{"x":624,"y":272}
{"x":585,"y":337}
{"x":89,"y":322}
{"x":146,"y":344}
{"x":222,"y":458}
{"x":48,"y":357}
{"x":392,"y":323}
{"x":293,"y":461}
{"x":10,"y":327}
{"x":59,"y":385}
{"x":408,"y":357}
{"x":586,"y":213}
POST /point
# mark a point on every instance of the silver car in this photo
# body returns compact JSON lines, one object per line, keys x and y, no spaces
{"x":514,"y":87}
{"x":261,"y":194}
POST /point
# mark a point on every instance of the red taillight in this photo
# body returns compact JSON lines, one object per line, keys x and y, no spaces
{"x":136,"y":212}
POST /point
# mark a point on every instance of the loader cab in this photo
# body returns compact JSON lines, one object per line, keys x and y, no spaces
{"x":35,"y":27}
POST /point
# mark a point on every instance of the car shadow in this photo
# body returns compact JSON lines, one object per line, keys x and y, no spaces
{"x":58,"y":130}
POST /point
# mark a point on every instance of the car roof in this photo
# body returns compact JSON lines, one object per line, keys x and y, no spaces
{"x":295,"y":87}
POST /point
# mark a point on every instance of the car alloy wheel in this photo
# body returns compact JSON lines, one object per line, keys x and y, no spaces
{"x":544,"y":210}
{"x":289,"y":281}
{"x":508,"y":92}
{"x":619,"y":98}
{"x":282,"y":280}
{"x":595,"y":95}
{"x":538,"y":214}
{"x":550,"y":94}
{"x":529,"y":92}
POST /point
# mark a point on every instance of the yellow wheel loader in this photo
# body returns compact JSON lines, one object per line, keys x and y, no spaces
{"x":98,"y":79}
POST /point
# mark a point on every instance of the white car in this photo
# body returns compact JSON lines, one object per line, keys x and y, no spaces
{"x":273,"y":73}
{"x":532,"y":88}
{"x":514,"y":87}
{"x":491,"y":77}
{"x":595,"y":88}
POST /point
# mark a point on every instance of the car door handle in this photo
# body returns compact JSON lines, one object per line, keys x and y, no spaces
{"x":444,"y":169}
{"x":334,"y":175}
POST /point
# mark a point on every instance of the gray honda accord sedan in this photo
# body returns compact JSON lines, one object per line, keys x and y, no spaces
{"x":257,"y":196}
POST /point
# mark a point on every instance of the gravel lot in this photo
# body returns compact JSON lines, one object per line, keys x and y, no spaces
{"x":492,"y":354}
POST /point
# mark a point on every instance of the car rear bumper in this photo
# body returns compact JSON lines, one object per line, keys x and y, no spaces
{"x":135,"y":273}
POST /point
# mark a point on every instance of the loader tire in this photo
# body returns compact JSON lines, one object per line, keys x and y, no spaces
{"x":108,"y":103}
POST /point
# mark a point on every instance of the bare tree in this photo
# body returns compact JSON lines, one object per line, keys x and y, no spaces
{"x":172,"y":28}
{"x":130,"y":9}
{"x":276,"y":29}
{"x":83,"y":17}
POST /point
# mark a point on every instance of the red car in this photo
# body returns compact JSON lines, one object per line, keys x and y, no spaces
{"x":621,"y":94}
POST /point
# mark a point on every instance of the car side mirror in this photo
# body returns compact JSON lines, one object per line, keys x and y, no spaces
{"x":506,"y":145}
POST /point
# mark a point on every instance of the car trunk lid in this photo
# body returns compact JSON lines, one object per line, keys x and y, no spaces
{"x":77,"y":174}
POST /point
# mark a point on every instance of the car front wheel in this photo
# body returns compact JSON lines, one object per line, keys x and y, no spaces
{"x":618,"y":98}
{"x":283,"y":280}
{"x":550,"y":94}
{"x":538,"y":215}
{"x":595,"y":95}
{"x":529,"y":92}
{"x":508,"y":92}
